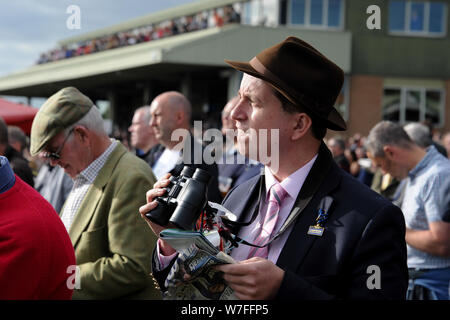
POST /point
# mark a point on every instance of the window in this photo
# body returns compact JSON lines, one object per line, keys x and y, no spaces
{"x":406,"y":104}
{"x":261,"y":12}
{"x":421,"y":18}
{"x":341,"y":103}
{"x":326,"y":14}
{"x":247,"y":19}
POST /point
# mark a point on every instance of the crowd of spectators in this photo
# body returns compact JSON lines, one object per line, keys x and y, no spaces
{"x":202,"y":20}
{"x":351,"y":155}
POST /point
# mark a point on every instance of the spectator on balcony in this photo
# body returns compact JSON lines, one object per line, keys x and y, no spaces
{"x":218,"y":19}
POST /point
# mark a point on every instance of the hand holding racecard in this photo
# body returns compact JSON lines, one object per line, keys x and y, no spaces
{"x":192,"y":276}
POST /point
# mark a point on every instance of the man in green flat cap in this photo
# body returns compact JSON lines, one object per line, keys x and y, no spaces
{"x":111,"y":242}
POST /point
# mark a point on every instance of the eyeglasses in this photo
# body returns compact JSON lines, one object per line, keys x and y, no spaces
{"x":56,"y":155}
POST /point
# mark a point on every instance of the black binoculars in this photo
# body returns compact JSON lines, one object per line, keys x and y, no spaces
{"x":184,"y":200}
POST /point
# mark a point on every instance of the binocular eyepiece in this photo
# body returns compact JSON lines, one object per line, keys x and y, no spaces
{"x":184,"y":200}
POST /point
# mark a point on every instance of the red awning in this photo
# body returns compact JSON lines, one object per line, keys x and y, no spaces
{"x":16,"y":114}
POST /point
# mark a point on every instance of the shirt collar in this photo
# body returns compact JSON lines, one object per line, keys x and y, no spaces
{"x":426,"y":160}
{"x":7,"y":178}
{"x":293,"y":183}
{"x":91,"y":172}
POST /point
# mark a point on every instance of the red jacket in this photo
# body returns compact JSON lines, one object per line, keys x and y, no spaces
{"x":35,"y":248}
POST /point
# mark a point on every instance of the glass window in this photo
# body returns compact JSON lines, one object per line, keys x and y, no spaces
{"x":298,"y":11}
{"x":417,"y":16}
{"x":341,"y":103}
{"x":334,"y":13}
{"x":412,"y":106}
{"x":248,"y":12}
{"x":270,"y":12}
{"x":316,"y":12}
{"x":436,"y":17}
{"x":391,"y":105}
{"x":433,"y":106}
{"x":397,"y":15}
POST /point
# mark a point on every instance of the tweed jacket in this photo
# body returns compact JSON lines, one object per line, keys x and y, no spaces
{"x":112,"y":243}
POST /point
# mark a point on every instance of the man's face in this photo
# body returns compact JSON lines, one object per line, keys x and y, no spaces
{"x":446,"y":142}
{"x":388,"y":166}
{"x":162,"y":121}
{"x":73,"y":157}
{"x":258,"y":108}
{"x":334,"y":148}
{"x":141,"y":132}
{"x":227,"y":122}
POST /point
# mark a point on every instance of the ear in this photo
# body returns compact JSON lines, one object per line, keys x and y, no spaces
{"x":82,"y":134}
{"x":390,"y":152}
{"x":302,"y":123}
{"x":179,"y":117}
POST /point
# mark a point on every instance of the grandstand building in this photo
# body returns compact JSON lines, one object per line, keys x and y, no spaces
{"x":399,"y":72}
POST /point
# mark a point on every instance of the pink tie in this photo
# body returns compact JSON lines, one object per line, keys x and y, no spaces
{"x":277,"y":194}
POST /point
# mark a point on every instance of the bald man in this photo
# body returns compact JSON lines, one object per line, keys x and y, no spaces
{"x":171,"y":121}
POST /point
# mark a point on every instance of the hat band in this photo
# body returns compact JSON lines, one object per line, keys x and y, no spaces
{"x":296,"y":98}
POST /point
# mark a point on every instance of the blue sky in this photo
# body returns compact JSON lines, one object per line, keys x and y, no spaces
{"x":30,"y":27}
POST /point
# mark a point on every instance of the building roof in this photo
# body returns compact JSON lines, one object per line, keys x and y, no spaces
{"x":203,"y":48}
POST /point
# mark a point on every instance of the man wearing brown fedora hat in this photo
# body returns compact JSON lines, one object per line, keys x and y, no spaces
{"x":307,"y":229}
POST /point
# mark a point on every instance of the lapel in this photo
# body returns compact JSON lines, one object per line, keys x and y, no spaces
{"x":313,"y":190}
{"x":94,"y":194}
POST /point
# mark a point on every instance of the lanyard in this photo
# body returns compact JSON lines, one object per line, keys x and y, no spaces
{"x":312,"y":187}
{"x":291,"y":218}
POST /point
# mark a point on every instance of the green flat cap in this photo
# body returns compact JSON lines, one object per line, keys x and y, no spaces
{"x":59,"y":112}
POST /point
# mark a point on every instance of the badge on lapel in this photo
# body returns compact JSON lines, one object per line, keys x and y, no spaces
{"x":323,"y":210}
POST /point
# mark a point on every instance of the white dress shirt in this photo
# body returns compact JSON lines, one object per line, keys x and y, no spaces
{"x":166,"y":162}
{"x":292,"y":184}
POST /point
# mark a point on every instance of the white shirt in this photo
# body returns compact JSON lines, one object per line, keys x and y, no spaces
{"x":166,"y":162}
{"x":292,"y":184}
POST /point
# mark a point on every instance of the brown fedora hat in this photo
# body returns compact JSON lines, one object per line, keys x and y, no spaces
{"x":303,"y":75}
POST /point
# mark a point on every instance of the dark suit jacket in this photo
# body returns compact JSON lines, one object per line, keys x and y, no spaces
{"x":238,"y":172}
{"x":363,"y":230}
{"x":152,"y":155}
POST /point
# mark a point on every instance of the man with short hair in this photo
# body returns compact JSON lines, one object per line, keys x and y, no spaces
{"x":171,"y":121}
{"x":446,"y":143}
{"x":420,"y":134}
{"x":315,"y":232}
{"x":16,"y":160}
{"x":142,"y":136}
{"x":424,"y":205}
{"x":17,"y":138}
{"x":337,"y":148}
{"x":110,"y":242}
